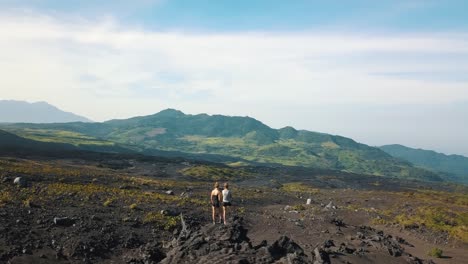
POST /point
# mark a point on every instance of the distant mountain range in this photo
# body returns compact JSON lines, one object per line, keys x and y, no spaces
{"x":40,"y":112}
{"x":238,"y":140}
{"x":455,"y":166}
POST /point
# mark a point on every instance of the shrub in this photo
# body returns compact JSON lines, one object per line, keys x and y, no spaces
{"x":436,"y":252}
{"x":241,"y":210}
{"x":378,"y":221}
{"x":299,"y":207}
{"x":5,"y":197}
{"x":161,"y":221}
{"x":438,"y":219}
{"x":27,"y":203}
{"x":107,"y":203}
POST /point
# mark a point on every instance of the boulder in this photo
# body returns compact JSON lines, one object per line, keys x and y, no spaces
{"x":170,"y":212}
{"x":321,"y":257}
{"x":63,"y":221}
{"x":283,"y":246}
{"x":20,"y":182}
{"x":338,"y":222}
{"x":330,"y":206}
{"x":328,"y":243}
{"x":5,"y":179}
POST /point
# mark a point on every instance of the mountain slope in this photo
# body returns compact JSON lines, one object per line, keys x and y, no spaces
{"x":40,"y":112}
{"x":11,"y":143}
{"x":455,"y":165}
{"x":243,"y":138}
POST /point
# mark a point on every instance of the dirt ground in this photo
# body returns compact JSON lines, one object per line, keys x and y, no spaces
{"x":127,"y":211}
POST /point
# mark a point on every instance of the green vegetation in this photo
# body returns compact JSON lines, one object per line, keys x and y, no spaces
{"x":241,"y":211}
{"x":455,"y":166}
{"x":436,"y":252}
{"x":107,"y":203}
{"x":27,"y":203}
{"x":452,"y":198}
{"x":439,"y":211}
{"x":59,"y":136}
{"x":211,"y":173}
{"x":443,"y":219}
{"x":5,"y":197}
{"x":436,"y":210}
{"x":226,"y":139}
{"x":299,"y":207}
{"x":84,"y":183}
{"x":297,"y":187}
{"x":161,"y":221}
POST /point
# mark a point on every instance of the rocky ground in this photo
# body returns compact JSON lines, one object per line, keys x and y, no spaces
{"x":148,"y":211}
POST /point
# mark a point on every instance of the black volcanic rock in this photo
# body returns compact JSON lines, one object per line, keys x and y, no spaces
{"x":230,"y":244}
{"x":321,"y":257}
{"x":63,"y":221}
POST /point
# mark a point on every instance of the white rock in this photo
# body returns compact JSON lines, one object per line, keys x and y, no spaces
{"x":21,"y":182}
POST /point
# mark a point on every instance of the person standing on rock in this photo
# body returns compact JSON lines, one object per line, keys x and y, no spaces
{"x":216,"y":198}
{"x":227,"y":198}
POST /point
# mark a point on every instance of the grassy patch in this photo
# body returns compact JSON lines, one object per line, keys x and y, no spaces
{"x":297,"y":187}
{"x":378,"y":221}
{"x":5,"y":197}
{"x":436,"y":252}
{"x":161,"y":221}
{"x":439,"y":219}
{"x":452,"y":198}
{"x":28,"y":203}
{"x":59,"y":136}
{"x":108,"y":202}
{"x":241,"y":211}
{"x":49,"y":169}
{"x":210,"y":173}
{"x":299,"y":207}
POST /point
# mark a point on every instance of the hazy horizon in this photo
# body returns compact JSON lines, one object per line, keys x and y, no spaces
{"x":392,"y":72}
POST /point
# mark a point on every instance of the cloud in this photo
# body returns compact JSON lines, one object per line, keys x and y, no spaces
{"x":103,"y":69}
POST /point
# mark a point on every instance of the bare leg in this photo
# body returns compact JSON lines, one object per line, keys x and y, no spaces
{"x":224,"y":213}
{"x":214,"y":214}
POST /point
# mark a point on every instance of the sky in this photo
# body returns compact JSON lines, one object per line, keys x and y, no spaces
{"x":380,"y":72}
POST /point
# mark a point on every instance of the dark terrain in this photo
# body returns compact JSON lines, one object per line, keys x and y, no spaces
{"x":89,"y":207}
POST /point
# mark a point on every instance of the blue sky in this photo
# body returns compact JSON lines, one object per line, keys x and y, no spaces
{"x":241,"y":15}
{"x":380,"y":72}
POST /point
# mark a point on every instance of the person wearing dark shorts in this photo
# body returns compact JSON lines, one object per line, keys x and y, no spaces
{"x":227,"y":199}
{"x":215,"y":199}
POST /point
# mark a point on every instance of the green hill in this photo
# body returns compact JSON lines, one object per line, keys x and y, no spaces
{"x":12,"y":143}
{"x":242,"y":138}
{"x":454,"y":166}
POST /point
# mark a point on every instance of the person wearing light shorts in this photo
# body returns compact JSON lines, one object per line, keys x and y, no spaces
{"x":227,"y":199}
